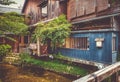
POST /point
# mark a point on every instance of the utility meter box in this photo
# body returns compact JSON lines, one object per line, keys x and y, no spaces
{"x":99,"y":42}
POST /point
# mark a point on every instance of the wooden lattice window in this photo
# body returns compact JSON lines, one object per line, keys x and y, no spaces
{"x":44,"y":11}
{"x":81,"y":43}
{"x":24,"y":39}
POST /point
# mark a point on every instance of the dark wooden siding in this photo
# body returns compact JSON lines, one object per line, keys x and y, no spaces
{"x":63,"y":7}
{"x":33,"y":11}
{"x":84,"y":9}
{"x":80,"y":8}
{"x":102,"y":5}
{"x":72,"y":7}
{"x":90,"y":6}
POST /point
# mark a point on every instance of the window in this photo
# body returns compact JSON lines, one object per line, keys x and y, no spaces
{"x":44,"y":11}
{"x":81,"y":43}
{"x":114,"y":44}
{"x":25,"y":39}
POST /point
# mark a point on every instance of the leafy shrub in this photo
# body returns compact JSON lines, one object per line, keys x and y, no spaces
{"x":53,"y":65}
{"x":25,"y":58}
{"x":4,"y":50}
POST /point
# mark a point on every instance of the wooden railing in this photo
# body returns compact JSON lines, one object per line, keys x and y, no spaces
{"x":111,"y":71}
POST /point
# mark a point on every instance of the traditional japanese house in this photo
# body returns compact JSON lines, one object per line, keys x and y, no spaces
{"x":43,"y":10}
{"x":95,"y":26}
{"x":95,"y":30}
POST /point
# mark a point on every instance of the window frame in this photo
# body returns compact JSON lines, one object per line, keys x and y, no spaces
{"x":76,"y":41}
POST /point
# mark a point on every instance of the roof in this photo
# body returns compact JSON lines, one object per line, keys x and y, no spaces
{"x":8,"y":9}
{"x":96,"y":18}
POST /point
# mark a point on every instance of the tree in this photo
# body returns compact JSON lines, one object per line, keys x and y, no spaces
{"x":7,"y":2}
{"x":55,"y":31}
{"x":12,"y":23}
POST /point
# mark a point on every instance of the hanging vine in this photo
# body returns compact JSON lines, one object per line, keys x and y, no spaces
{"x":56,"y":31}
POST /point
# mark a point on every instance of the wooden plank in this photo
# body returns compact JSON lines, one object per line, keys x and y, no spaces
{"x":101,"y":74}
{"x":72,"y":11}
{"x":90,"y":6}
{"x":102,"y":5}
{"x":80,"y":8}
{"x":115,"y":77}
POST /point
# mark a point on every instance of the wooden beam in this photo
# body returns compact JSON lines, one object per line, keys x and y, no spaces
{"x":102,"y":74}
{"x":115,"y":77}
{"x":46,"y":21}
{"x":38,"y":46}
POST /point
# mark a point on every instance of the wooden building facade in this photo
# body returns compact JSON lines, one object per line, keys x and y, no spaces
{"x":95,"y":26}
{"x":94,"y":45}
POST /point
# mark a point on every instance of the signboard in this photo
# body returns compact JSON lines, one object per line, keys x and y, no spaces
{"x":99,"y":42}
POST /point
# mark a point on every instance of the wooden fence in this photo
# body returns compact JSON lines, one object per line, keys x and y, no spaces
{"x":111,"y":71}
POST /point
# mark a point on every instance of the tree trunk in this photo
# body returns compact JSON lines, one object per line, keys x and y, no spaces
{"x":38,"y":46}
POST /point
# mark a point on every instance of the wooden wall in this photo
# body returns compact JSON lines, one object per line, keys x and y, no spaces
{"x":63,"y":7}
{"x":53,"y":8}
{"x":84,"y":9}
{"x":33,"y":10}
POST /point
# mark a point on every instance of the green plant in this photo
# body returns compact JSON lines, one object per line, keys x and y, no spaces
{"x":7,"y":2}
{"x":60,"y":56}
{"x":0,"y":80}
{"x":12,"y":23}
{"x":24,"y":57}
{"x":54,"y":32}
{"x":4,"y":50}
{"x":55,"y":65}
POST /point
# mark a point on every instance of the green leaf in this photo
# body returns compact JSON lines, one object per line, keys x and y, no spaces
{"x":56,"y":31}
{"x":13,"y":23}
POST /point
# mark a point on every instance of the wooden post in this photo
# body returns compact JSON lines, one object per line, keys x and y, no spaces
{"x":16,"y":44}
{"x":38,"y":46}
{"x":101,"y":75}
{"x":115,"y":77}
{"x":22,"y":40}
